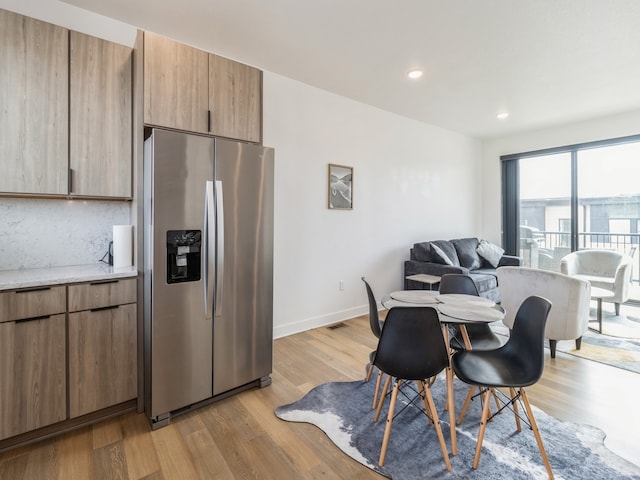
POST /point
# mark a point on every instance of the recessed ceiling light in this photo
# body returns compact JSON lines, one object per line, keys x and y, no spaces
{"x":414,"y":73}
{"x":502,"y":115}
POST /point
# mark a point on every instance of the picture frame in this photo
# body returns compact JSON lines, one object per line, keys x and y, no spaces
{"x":340,"y":194}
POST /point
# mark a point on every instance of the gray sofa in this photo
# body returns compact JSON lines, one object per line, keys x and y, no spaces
{"x":461,"y":257}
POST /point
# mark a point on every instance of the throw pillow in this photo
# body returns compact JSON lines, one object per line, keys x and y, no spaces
{"x":440,"y":256}
{"x":490,"y":252}
{"x":467,"y":254}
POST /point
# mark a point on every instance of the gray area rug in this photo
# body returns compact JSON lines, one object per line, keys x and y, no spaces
{"x":343,"y":411}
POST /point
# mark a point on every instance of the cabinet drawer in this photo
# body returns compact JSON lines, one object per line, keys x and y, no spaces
{"x":102,"y":294}
{"x":33,"y":302}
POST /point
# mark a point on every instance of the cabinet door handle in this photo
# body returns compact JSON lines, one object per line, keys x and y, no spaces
{"x":102,"y":282}
{"x":208,"y":120}
{"x":32,"y":319}
{"x":111,"y":307}
{"x":71,"y":180}
{"x":34,"y":289}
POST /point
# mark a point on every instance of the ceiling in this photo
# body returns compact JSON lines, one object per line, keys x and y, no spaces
{"x":546,"y":62}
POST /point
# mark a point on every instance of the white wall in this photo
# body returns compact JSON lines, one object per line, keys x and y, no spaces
{"x":412,"y":182}
{"x":613,"y":126}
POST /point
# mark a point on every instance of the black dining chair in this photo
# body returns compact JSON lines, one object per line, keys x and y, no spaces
{"x":411,"y":349}
{"x":480,"y":335}
{"x":376,"y":328}
{"x":515,"y":365}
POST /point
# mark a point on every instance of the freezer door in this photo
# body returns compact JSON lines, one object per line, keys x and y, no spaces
{"x":243,"y":320}
{"x":180,"y":325}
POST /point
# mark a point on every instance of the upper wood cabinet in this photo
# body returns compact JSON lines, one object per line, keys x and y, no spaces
{"x":52,"y":142}
{"x":235,"y":99}
{"x":100,"y":146}
{"x":189,"y":89}
{"x":34,"y":98}
{"x":175,"y":84}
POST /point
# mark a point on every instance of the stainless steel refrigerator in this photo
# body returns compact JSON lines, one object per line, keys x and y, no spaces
{"x":208,"y":274}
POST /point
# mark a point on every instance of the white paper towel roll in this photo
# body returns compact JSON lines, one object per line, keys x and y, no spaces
{"x":122,"y":245}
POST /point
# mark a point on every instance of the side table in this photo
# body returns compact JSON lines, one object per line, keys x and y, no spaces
{"x":600,"y":294}
{"x":430,"y":280}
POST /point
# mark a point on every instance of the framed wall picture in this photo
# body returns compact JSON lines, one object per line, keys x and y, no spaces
{"x":340,"y":187}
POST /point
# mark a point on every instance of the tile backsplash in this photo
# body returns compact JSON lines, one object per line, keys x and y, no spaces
{"x":37,"y":233}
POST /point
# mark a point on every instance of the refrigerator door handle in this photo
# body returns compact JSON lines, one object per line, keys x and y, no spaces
{"x":220,"y":248}
{"x":209,"y":248}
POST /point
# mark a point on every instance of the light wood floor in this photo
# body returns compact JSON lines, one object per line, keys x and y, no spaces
{"x":240,"y":437}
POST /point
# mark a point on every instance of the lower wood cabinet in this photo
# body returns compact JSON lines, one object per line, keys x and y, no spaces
{"x":68,"y":356}
{"x":33,"y":371}
{"x":102,"y":358}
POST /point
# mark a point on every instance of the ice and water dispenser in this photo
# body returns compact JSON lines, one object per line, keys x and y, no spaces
{"x":183,"y":255}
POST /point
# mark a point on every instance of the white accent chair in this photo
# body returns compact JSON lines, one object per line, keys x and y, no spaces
{"x":602,"y":268}
{"x":570,"y":298}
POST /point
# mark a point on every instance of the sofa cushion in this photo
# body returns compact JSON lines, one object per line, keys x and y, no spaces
{"x":466,"y":250}
{"x":421,"y":252}
{"x":490,"y":252}
{"x":445,"y":253}
{"x":440,"y":256}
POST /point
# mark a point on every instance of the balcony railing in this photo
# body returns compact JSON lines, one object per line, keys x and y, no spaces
{"x":545,"y":249}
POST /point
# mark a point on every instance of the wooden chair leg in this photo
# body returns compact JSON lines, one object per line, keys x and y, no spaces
{"x":512,"y":392}
{"x":534,"y":427}
{"x":377,"y":390}
{"x":465,"y":405}
{"x":383,"y":394}
{"x":552,"y":346}
{"x":387,"y":430}
{"x":486,"y":397}
{"x":578,"y":343}
{"x":428,"y":403}
{"x":422,"y":387}
{"x":369,"y":373}
{"x":496,"y":400}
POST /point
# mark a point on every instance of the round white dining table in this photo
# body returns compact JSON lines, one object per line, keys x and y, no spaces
{"x":452,"y":308}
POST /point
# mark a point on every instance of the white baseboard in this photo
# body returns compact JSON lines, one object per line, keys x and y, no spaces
{"x":315,"y":322}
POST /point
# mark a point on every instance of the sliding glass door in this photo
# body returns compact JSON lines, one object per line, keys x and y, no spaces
{"x":545,"y":210}
{"x":608,"y":194}
{"x":571,"y":198}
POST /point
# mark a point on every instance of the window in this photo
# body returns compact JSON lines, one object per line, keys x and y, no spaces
{"x":576,"y":197}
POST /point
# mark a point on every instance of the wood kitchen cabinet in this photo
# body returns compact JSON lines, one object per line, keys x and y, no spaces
{"x":102,"y":345}
{"x":52,"y":142}
{"x":32,"y":359}
{"x":100,"y":141}
{"x":68,"y":357}
{"x":235,"y":99}
{"x":189,"y":89}
{"x":34,"y":99}
{"x":175,"y":84}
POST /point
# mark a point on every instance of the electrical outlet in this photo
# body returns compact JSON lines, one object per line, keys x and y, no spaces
{"x":341,"y":285}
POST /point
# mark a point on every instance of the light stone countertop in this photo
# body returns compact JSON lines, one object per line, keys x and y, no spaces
{"x":36,"y":277}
